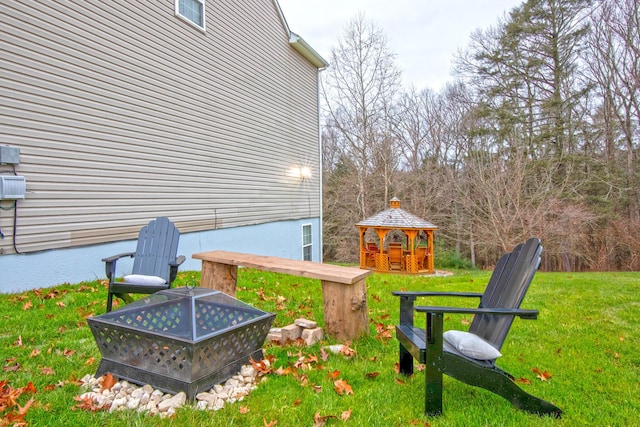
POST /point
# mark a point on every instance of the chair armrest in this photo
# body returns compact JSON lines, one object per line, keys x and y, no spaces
{"x":110,"y":264}
{"x":408,"y":297}
{"x":178,"y":261}
{"x":436,"y":294}
{"x":117,"y":257}
{"x":524,"y":314}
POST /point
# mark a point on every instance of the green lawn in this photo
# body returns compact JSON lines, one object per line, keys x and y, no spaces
{"x":586,"y":337}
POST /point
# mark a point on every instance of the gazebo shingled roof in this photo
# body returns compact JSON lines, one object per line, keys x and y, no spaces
{"x":395,"y":217}
{"x":413,"y":260}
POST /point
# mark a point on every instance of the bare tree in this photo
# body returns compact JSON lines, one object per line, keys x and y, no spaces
{"x":359,"y":89}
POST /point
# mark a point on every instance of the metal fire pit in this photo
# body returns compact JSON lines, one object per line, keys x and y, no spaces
{"x":183,"y":339}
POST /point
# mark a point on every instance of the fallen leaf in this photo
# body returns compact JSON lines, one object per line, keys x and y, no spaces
{"x":544,"y":376}
{"x":284,"y":371}
{"x":46,"y":370}
{"x":296,"y":402}
{"x":18,"y":342}
{"x":90,"y":361}
{"x":12,"y":367}
{"x":60,"y":304}
{"x":270,"y":424}
{"x":27,"y":305}
{"x":35,"y":352}
{"x":303,"y":379}
{"x":29,"y":387}
{"x":333,"y":375}
{"x":108,"y":381}
{"x":348,"y":351}
{"x":319,"y":421}
{"x":17,"y":418}
{"x":87,"y":404}
{"x":342,"y":387}
{"x":324,"y":356}
{"x":371,"y":374}
{"x":345,"y":415}
{"x":262,"y":367}
{"x":523,"y":380}
{"x":243,"y":410}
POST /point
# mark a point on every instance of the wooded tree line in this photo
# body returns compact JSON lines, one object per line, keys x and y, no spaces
{"x":537,"y":136}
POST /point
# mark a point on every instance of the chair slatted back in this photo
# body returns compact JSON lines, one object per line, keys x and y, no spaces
{"x":395,"y":254}
{"x":157,"y":247}
{"x":506,"y":289}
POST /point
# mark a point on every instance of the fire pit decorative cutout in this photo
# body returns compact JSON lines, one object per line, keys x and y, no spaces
{"x":182,"y":339}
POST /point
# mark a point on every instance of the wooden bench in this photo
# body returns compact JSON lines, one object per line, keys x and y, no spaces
{"x":344,"y":289}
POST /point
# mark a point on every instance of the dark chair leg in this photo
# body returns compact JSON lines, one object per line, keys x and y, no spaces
{"x":109,"y":301}
{"x":433,"y":366}
{"x":499,"y":382}
{"x":406,"y":361}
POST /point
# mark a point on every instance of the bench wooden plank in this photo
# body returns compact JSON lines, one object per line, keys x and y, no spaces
{"x":344,"y":289}
{"x":314,"y":270}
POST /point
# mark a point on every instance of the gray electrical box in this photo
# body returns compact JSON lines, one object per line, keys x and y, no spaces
{"x":9,"y":155}
{"x":12,"y":187}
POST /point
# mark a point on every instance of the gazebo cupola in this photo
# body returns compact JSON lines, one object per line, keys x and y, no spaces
{"x":395,"y":240}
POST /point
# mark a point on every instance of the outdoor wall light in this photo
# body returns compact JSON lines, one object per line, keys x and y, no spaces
{"x":302,"y":172}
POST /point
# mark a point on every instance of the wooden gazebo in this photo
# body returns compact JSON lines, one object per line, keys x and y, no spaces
{"x":395,"y":240}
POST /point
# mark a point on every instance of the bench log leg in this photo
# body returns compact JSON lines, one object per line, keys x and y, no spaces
{"x":221,"y":277}
{"x":345,"y":309}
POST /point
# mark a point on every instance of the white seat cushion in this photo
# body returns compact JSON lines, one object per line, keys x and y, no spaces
{"x":141,"y":279}
{"x":471,"y":345}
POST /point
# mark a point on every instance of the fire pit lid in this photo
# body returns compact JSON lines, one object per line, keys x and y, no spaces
{"x":193,"y":314}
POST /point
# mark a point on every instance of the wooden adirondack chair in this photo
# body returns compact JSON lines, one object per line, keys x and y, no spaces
{"x":499,"y":305}
{"x":395,"y":257}
{"x":421,"y":256}
{"x":155,"y":264}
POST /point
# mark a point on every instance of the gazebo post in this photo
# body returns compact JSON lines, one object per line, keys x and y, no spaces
{"x":382,"y":262}
{"x":430,"y":259}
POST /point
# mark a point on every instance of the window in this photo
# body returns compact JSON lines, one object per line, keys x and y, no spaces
{"x":307,"y":243}
{"x":192,"y":11}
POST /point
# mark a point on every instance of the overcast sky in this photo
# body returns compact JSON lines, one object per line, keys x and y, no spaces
{"x":424,"y":34}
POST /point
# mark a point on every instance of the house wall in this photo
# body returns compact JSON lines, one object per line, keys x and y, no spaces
{"x":124,"y":112}
{"x":74,"y":265}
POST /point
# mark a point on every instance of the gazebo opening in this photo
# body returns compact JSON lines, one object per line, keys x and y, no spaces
{"x":395,"y":240}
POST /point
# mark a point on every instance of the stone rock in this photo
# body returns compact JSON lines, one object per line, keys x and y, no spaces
{"x":172,"y":402}
{"x":312,"y":336}
{"x":291,"y":332}
{"x":133,"y":403}
{"x":306,"y":323}
{"x":336,"y":348}
{"x":155,"y":402}
{"x":247,"y":371}
{"x":273,"y":336}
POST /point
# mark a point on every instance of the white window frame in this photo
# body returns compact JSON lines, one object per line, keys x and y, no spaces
{"x":307,"y":245}
{"x":189,"y":21}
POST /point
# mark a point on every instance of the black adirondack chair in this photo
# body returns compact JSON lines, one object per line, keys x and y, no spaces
{"x":499,"y":305}
{"x":155,"y":264}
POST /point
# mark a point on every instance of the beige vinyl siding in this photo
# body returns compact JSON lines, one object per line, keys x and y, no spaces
{"x":124,"y":112}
